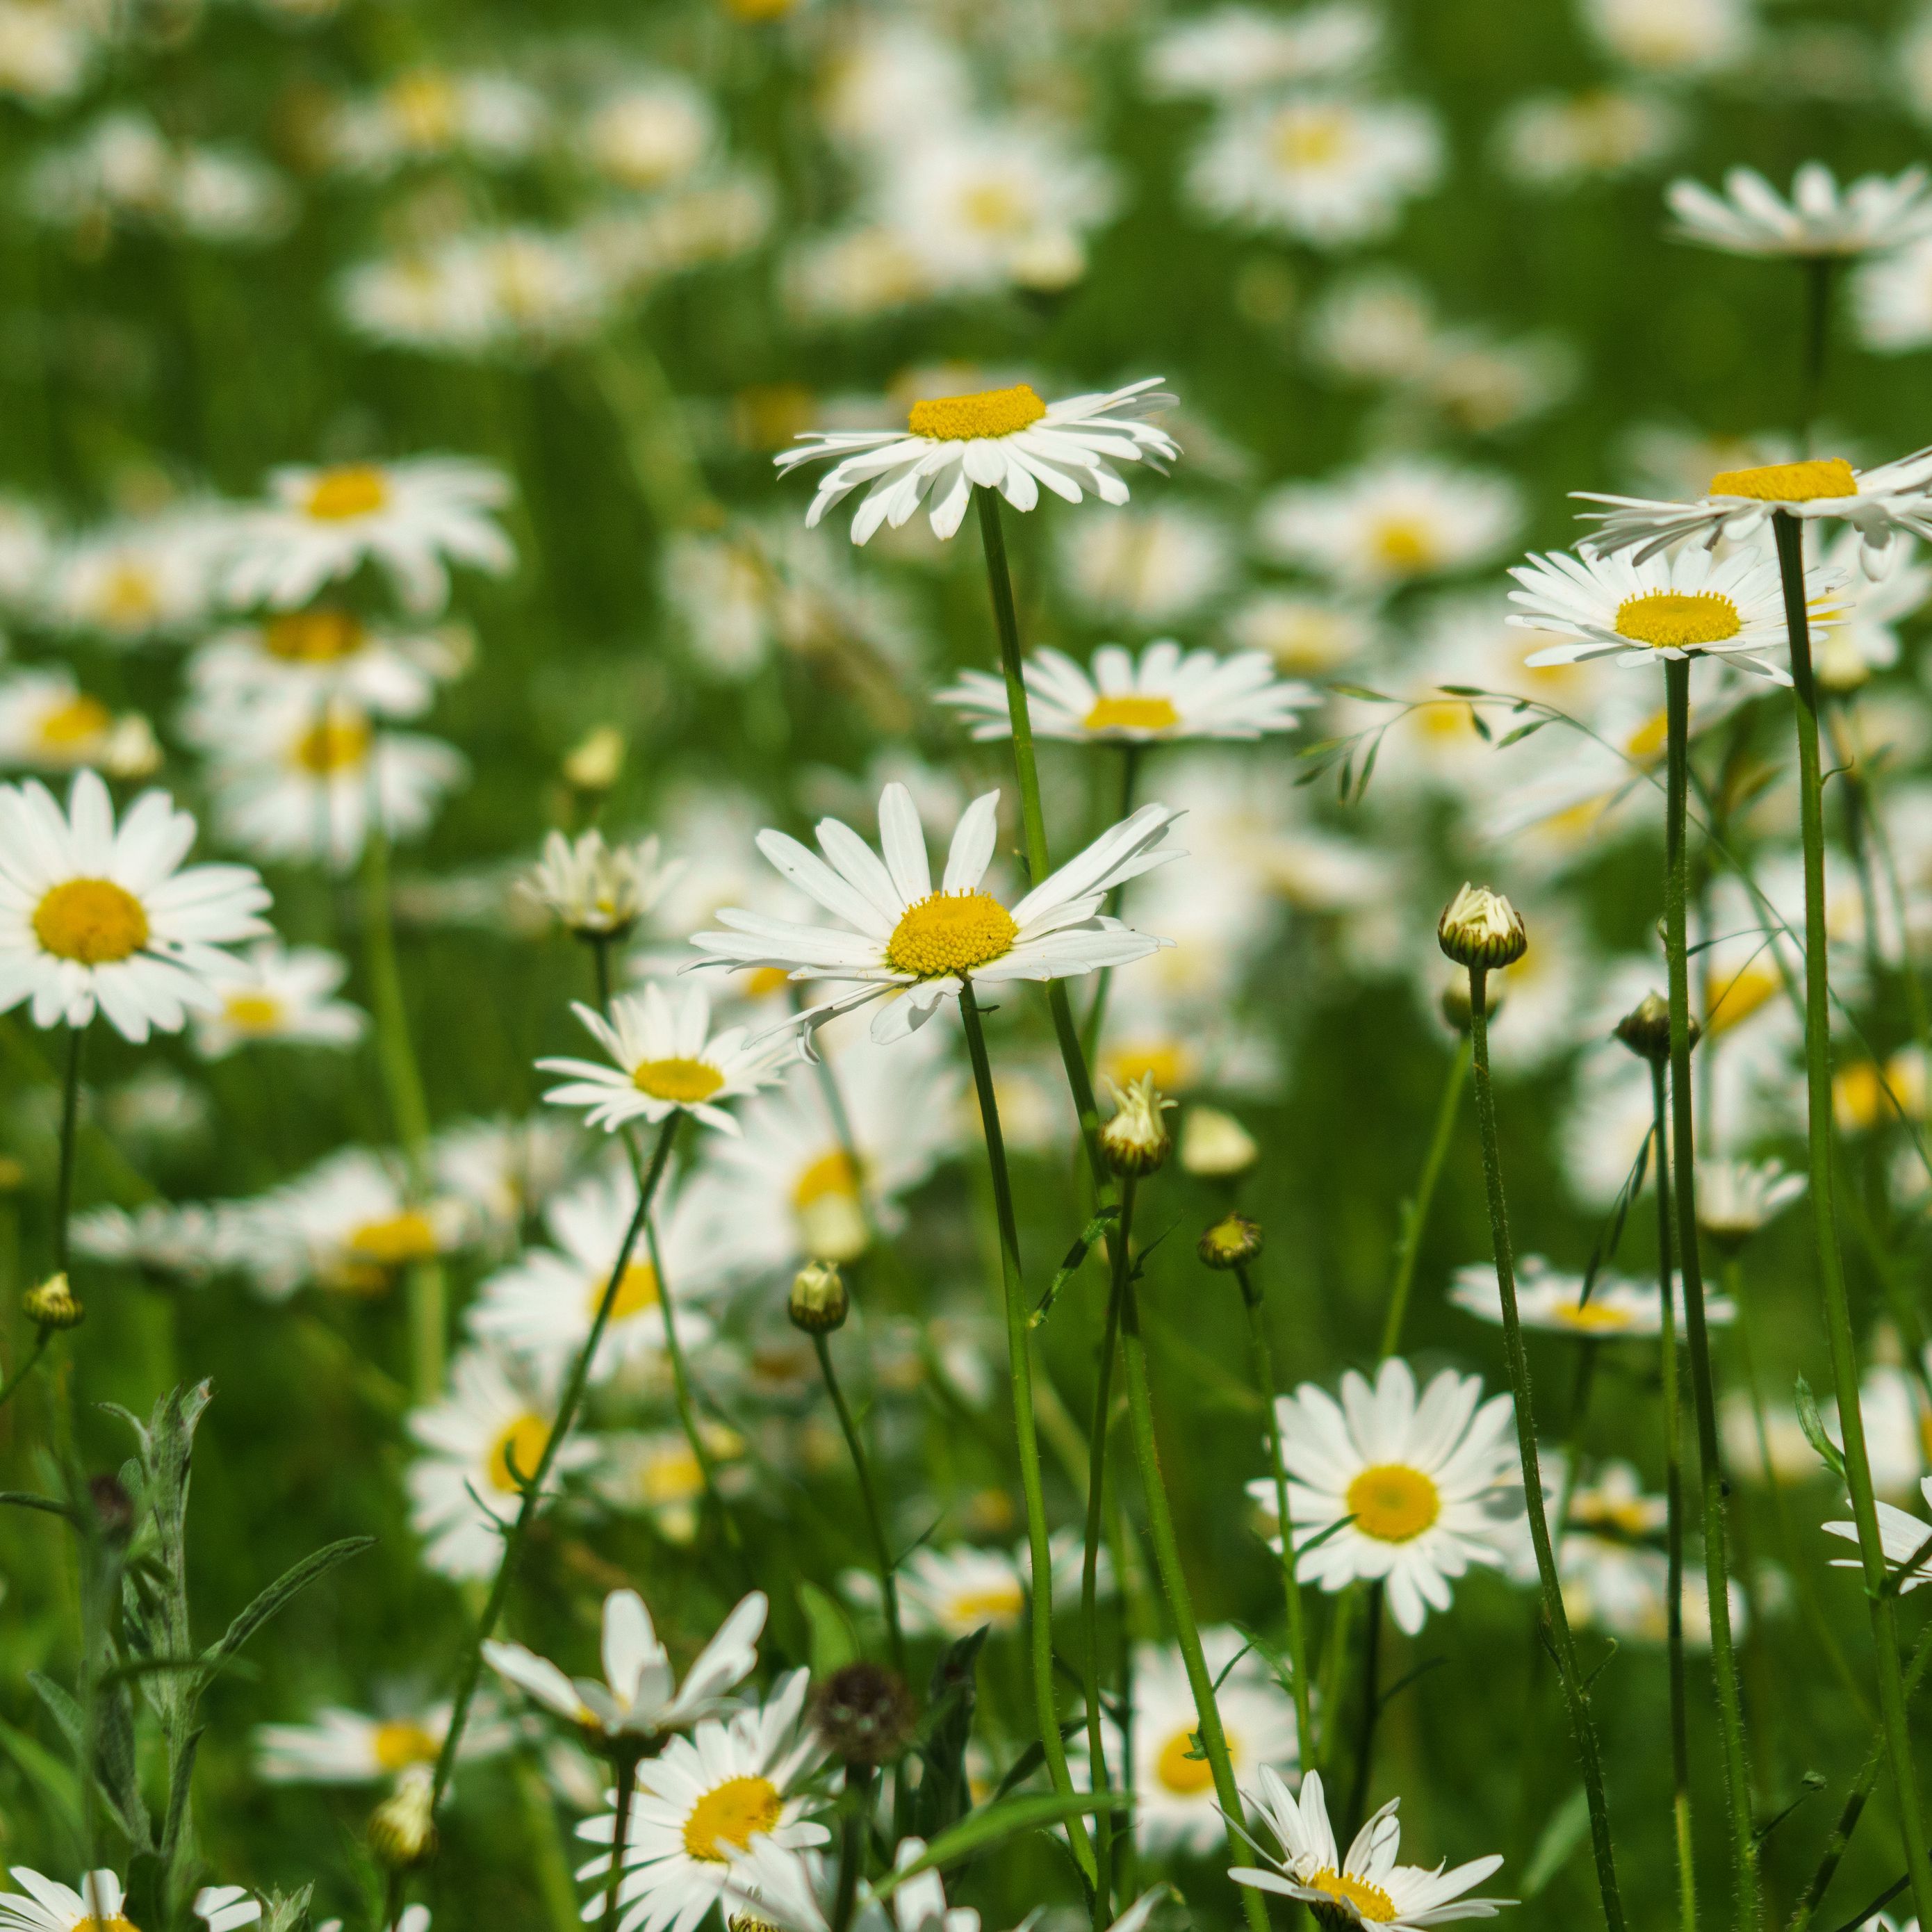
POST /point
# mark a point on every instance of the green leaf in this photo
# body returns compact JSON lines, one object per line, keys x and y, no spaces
{"x":1364,"y":692}
{"x":1813,"y":1424}
{"x":31,"y":1499}
{"x":288,"y":1585}
{"x":993,"y":1822}
{"x":944,"y":1796}
{"x":1521,"y":732}
{"x":1561,"y":1837}
{"x":833,"y":1644}
{"x":1075,"y":1257}
{"x":53,"y":1777}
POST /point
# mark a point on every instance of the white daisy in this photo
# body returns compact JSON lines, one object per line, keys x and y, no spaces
{"x":656,"y":1473}
{"x":1737,"y":1198}
{"x":707,"y":1795}
{"x":427,"y":113}
{"x":135,"y":582}
{"x":315,"y":654}
{"x":1548,"y":1299}
{"x":282,"y":993}
{"x":1430,"y":1486}
{"x":345,"y":1746}
{"x":90,"y":916}
{"x":638,"y":1698}
{"x":1676,"y":39}
{"x":1167,"y":695}
{"x":43,"y":1905}
{"x":1901,"y":1535}
{"x":925,"y":945}
{"x":481,"y":1445}
{"x":1368,"y":1887}
{"x":951,"y":1593}
{"x":1876,"y":502}
{"x":1004,"y":439}
{"x":410,"y":518}
{"x":505,"y":1170}
{"x":225,"y":1908}
{"x":1891,"y":299}
{"x":48,"y":723}
{"x":1559,"y":141}
{"x":599,"y":890}
{"x":1232,"y":51}
{"x":1819,"y":221}
{"x":1689,"y":605}
{"x":647,"y":130}
{"x":1149,"y":566}
{"x":185,"y":1242}
{"x":665,"y":1056}
{"x":1306,"y":635}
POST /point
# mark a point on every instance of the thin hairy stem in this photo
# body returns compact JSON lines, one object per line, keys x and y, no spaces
{"x":1090,"y":1575}
{"x":1416,"y":1216}
{"x":882,"y":1549}
{"x":620,"y":1830}
{"x":76,"y":1039}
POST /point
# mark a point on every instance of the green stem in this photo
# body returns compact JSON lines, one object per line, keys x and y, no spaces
{"x":857,"y":1802}
{"x":882,"y":1549}
{"x":627,"y":1786}
{"x":566,"y":1413}
{"x":1417,"y":1218}
{"x":1703,"y":1388}
{"x":1367,"y":1717}
{"x":77,"y":1036}
{"x":26,"y":1368}
{"x":1167,"y":1560}
{"x":1020,"y":1364}
{"x":1290,"y":1585}
{"x":1824,"y":1212}
{"x":1090,"y":1572}
{"x":1576,"y":1694}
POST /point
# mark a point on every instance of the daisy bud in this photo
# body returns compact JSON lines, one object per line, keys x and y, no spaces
{"x":1481,"y":928}
{"x":402,"y":1828}
{"x":1646,"y":1029}
{"x":866,"y":1714}
{"x":53,"y":1304}
{"x":1232,"y":1242}
{"x":593,"y":763}
{"x":1136,"y":1141}
{"x":1455,"y":1001}
{"x":819,"y":1301}
{"x":1215,"y":1146}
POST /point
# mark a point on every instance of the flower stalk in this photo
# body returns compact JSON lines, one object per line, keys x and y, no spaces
{"x":1416,"y":1215}
{"x":882,"y":1549}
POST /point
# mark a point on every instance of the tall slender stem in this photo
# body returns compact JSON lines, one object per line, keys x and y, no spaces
{"x":620,"y":1830}
{"x":1703,"y":1389}
{"x":1090,"y":1568}
{"x":1367,"y":1717}
{"x":1824,"y":1214}
{"x":1020,"y":1365}
{"x":1416,"y":1217}
{"x":857,"y":1801}
{"x":76,"y":1037}
{"x":1576,"y":1694}
{"x":882,"y":1549}
{"x":680,"y":1383}
{"x":566,"y":1413}
{"x":1213,"y":1738}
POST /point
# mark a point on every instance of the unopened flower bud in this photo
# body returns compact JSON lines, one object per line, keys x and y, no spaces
{"x":1481,"y":928}
{"x":402,"y":1828}
{"x":1232,"y":1242}
{"x":53,"y":1304}
{"x":593,"y":764}
{"x":1136,"y":1141}
{"x":1646,"y":1029}
{"x":1215,"y":1146}
{"x":864,"y":1714}
{"x":819,"y":1302}
{"x":1454,"y":1004}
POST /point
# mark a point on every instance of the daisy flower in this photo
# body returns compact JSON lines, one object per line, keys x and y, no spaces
{"x":1169,"y":693}
{"x":1004,"y":439}
{"x":133,"y":583}
{"x":412,"y":519}
{"x":1548,"y":1299}
{"x":48,"y":723}
{"x":1149,"y":566}
{"x":284,"y":993}
{"x":481,"y":1445}
{"x":1429,"y":1487}
{"x":638,"y":1699}
{"x":1235,"y":50}
{"x":1692,"y":604}
{"x":1819,"y":221}
{"x":346,"y":1747}
{"x":1674,"y":39}
{"x":326,"y":652}
{"x":951,"y":1593}
{"x":599,"y":891}
{"x":1368,"y":1887}
{"x":708,"y":1795}
{"x":43,"y":1905}
{"x":225,"y":1908}
{"x":92,"y":916}
{"x":1901,"y":1534}
{"x":504,"y":1171}
{"x":186,"y":1242}
{"x":1877,"y":502}
{"x":925,"y":945}
{"x":665,"y":1058}
{"x":1737,"y":1198}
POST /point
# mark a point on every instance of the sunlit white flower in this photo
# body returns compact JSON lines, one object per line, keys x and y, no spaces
{"x":1548,"y":1299}
{"x":1433,"y":1485}
{"x":178,"y":1242}
{"x":311,"y":657}
{"x":1673,"y":39}
{"x":43,"y":1905}
{"x":1306,"y":635}
{"x":281,"y":993}
{"x":1737,"y":1198}
{"x":912,"y":947}
{"x":597,"y":889}
{"x":647,"y":130}
{"x":1902,"y":1536}
{"x":225,"y":1908}
{"x":506,"y":1169}
{"x":1004,"y":439}
{"x":411,"y":519}
{"x":639,"y":1699}
{"x":430,"y":112}
{"x":1866,"y":616}
{"x":345,"y":1746}
{"x":1559,"y":141}
{"x":655,"y":1473}
{"x":48,"y":723}
{"x":46,"y":53}
{"x":1891,"y":299}
{"x":1820,"y":220}
{"x":1148,"y":566}
{"x":135,"y":581}
{"x":1367,"y":1887}
{"x":1233,"y":51}
{"x":92,"y":916}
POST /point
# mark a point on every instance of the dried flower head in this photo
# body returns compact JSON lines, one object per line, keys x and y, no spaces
{"x":1136,"y":1141}
{"x":865,"y":1714}
{"x":1646,"y":1029}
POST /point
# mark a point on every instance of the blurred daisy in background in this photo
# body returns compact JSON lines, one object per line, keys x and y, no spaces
{"x":1550,"y":1300}
{"x":428,"y":113}
{"x":340,"y":1746}
{"x":282,"y":993}
{"x":178,"y":1242}
{"x":1819,"y":220}
{"x":48,"y":723}
{"x":1148,"y":566}
{"x":1230,"y":51}
{"x":318,"y":655}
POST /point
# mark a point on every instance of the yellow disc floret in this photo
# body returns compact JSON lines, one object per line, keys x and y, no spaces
{"x":402,"y":1742}
{"x":349,"y":489}
{"x":1000,"y":1605}
{"x":313,"y":636}
{"x":636,"y":1292}
{"x":93,"y":921}
{"x":1370,"y":1901}
{"x":950,"y":932}
{"x":682,"y":1081}
{"x":731,"y":1813}
{"x":832,"y":1174}
{"x":1393,"y":1502}
{"x":337,"y":745}
{"x":1405,"y":543}
{"x":1182,"y":1768}
{"x":73,"y":722}
{"x":990,"y":413}
{"x":1132,"y":713}
{"x":410,"y":1236}
{"x":1592,"y":1317}
{"x":252,"y":1012}
{"x":1788,"y":482}
{"x":1677,"y":619}
{"x":518,"y":1449}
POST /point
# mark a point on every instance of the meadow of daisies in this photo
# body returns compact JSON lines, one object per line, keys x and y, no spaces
{"x":964,"y":965}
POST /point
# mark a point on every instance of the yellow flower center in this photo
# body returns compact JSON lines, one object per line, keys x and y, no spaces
{"x":831,"y":1174}
{"x":1592,"y":1317}
{"x":1000,"y":1605}
{"x":1650,"y":737}
{"x":94,"y":921}
{"x":403,"y":1742}
{"x":637,"y":1292}
{"x":764,"y":981}
{"x":731,"y":1813}
{"x":1181,"y":1769}
{"x":253,"y":1012}
{"x":1393,"y":1503}
{"x":130,"y":597}
{"x":118,"y":1922}
{"x":993,"y":207}
{"x":397,"y":1238}
{"x":1675,"y":619}
{"x":522,"y":1444}
{"x":350,"y":489}
{"x":79,"y":718}
{"x":1404,"y":543}
{"x":1132,"y":714}
{"x":1309,"y":140}
{"x":313,"y":637}
{"x":1858,"y":1097}
{"x":1370,"y":1901}
{"x":990,"y":413}
{"x":950,"y":932}
{"x":337,"y":745}
{"x":683,"y":1082}
{"x":672,"y":1477}
{"x":424,"y":106}
{"x":1788,"y":482}
{"x":1734,"y":1000}
{"x":1166,"y":1061}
